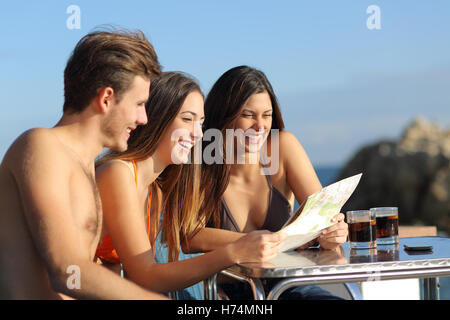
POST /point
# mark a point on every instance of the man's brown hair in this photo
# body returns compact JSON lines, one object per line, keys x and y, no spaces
{"x":106,"y":59}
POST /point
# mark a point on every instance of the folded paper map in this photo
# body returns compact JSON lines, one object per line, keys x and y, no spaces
{"x":316,"y":212}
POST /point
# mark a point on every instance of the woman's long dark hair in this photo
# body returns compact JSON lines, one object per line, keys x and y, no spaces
{"x":180,"y":184}
{"x":222,"y":107}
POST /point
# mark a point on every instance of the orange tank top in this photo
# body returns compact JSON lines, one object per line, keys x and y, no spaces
{"x":106,"y":250}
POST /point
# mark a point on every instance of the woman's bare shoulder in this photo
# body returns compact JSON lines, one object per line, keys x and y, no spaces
{"x":286,"y":145}
{"x":119,"y":170}
{"x":288,"y":139}
{"x":299,"y":170}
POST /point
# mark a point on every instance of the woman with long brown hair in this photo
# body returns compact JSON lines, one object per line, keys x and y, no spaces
{"x":251,"y":189}
{"x":152,"y":178}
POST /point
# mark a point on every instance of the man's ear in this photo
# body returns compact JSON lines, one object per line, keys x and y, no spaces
{"x":104,"y":99}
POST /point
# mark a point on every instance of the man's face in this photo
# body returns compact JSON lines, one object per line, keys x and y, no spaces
{"x":125,"y":116}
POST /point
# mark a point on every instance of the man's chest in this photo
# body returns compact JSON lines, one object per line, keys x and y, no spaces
{"x":86,"y":209}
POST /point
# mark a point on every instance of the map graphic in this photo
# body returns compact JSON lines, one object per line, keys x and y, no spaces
{"x":316,"y":212}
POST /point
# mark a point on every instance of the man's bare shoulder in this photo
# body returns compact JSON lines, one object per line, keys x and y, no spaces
{"x":29,"y":141}
{"x":33,"y":147}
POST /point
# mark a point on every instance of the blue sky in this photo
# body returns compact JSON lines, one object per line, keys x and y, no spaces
{"x":340,"y":84}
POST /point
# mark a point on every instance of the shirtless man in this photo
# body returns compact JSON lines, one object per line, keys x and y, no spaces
{"x":50,"y":210}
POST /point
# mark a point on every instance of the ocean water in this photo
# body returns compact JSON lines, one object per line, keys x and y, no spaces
{"x":327,"y":175}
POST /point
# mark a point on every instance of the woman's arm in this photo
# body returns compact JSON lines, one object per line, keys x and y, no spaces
{"x":303,"y":181}
{"x":257,"y":246}
{"x":208,"y":239}
{"x":300,"y":174}
{"x":124,"y":219}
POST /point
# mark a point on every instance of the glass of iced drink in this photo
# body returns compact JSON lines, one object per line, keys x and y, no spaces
{"x":361,"y":229}
{"x":387,"y":224}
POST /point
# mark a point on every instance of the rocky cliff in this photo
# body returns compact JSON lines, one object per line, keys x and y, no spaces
{"x":412,"y":174}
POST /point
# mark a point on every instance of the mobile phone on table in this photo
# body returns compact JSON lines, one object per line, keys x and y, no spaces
{"x":418,"y":248}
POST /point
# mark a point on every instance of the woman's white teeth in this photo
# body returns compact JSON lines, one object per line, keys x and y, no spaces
{"x":254,"y":139}
{"x":186,"y":145}
{"x":255,"y":134}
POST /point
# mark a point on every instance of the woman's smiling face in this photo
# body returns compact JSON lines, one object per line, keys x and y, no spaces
{"x":255,"y":120}
{"x":184,"y":131}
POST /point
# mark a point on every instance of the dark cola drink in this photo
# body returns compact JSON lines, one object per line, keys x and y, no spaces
{"x":387,"y":225}
{"x":361,"y":229}
{"x":363,"y":234}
